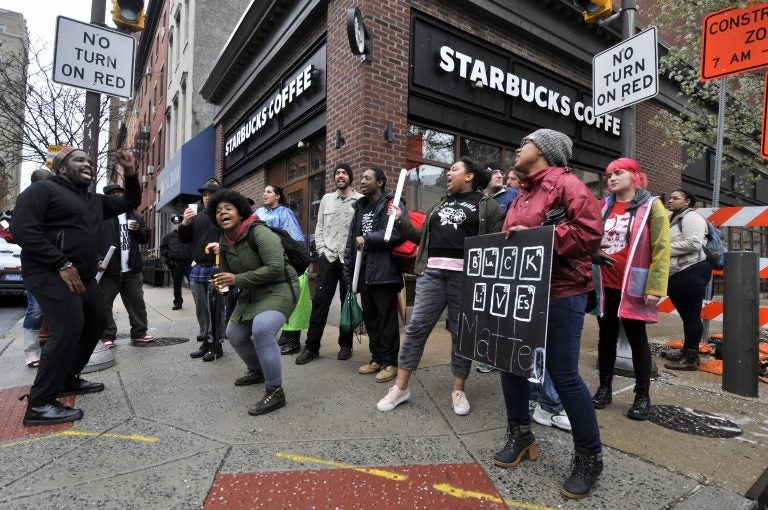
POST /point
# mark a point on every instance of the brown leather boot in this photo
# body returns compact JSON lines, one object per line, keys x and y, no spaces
{"x":689,"y":362}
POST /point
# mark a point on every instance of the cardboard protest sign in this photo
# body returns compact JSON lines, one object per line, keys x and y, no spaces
{"x":505,"y":305}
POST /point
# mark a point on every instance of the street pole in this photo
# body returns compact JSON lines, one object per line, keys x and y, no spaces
{"x":92,"y":102}
{"x":623,"y":365}
{"x":629,"y":140}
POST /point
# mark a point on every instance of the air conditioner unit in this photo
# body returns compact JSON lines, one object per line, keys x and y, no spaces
{"x":145,"y":179}
{"x":148,"y":71}
{"x":144,"y":127}
{"x":150,"y":169}
{"x":154,"y":110}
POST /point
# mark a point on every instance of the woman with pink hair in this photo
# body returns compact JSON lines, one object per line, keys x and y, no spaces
{"x":631,"y":272}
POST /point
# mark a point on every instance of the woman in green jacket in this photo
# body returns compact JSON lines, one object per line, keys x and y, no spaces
{"x":265,"y":299}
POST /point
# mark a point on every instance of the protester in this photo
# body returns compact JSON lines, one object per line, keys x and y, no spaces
{"x":547,"y":185}
{"x":334,"y":217}
{"x":276,"y":213}
{"x":512,"y":180}
{"x":380,"y":277}
{"x":57,"y":223}
{"x":33,"y":317}
{"x":465,"y":211}
{"x":178,"y":259}
{"x":197,"y":230}
{"x":632,"y":268}
{"x":496,"y":189}
{"x":124,"y":273}
{"x":265,"y":299}
{"x":689,"y":274}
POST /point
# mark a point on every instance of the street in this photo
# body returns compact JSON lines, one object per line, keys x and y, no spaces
{"x":11,"y":310}
{"x":173,"y":432}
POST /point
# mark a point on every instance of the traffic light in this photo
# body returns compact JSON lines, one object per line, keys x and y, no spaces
{"x":128,"y":14}
{"x":595,"y":10}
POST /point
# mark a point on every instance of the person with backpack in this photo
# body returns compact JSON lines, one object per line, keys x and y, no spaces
{"x":276,"y":213}
{"x":631,"y":271}
{"x":253,"y":259}
{"x":464,"y":211}
{"x":689,"y":274}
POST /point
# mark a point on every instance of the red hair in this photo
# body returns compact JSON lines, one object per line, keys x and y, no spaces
{"x":639,"y":179}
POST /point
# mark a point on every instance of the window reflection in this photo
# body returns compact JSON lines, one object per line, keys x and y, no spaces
{"x":480,"y":152}
{"x":316,"y":191}
{"x":430,"y":144}
{"x":425,"y":186}
{"x":297,"y":166}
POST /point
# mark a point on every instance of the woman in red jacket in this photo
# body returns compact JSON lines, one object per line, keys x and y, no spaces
{"x":548,"y":186}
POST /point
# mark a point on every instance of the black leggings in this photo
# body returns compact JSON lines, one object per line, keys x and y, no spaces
{"x":609,"y":335}
{"x":686,"y":291}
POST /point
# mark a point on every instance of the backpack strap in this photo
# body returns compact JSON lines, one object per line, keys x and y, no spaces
{"x":252,"y":245}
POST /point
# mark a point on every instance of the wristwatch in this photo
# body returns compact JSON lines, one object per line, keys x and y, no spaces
{"x":66,"y":266}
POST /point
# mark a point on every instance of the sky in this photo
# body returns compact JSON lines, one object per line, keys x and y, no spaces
{"x":41,"y":24}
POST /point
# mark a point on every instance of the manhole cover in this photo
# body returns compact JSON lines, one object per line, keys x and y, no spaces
{"x":161,"y":341}
{"x":691,"y":421}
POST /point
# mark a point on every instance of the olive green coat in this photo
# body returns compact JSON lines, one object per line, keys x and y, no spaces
{"x":260,"y":275}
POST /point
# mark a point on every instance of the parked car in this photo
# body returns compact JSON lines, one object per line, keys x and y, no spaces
{"x":11,"y":281}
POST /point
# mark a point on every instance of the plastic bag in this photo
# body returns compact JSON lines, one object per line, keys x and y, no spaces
{"x":351,"y":313}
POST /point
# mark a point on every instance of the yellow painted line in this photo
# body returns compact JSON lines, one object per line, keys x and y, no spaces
{"x":390,"y":475}
{"x":465,"y":494}
{"x":80,"y":433}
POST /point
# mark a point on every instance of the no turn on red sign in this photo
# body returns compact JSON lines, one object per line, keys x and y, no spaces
{"x":734,"y":41}
{"x":93,"y":58}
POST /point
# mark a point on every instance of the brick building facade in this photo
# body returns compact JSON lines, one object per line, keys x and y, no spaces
{"x":415,"y":104}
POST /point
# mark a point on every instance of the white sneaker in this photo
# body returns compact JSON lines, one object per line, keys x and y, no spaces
{"x":394,"y":398}
{"x":561,"y":421}
{"x":542,"y":417}
{"x":460,"y":403}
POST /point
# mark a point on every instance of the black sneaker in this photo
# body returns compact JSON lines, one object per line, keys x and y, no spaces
{"x":250,"y":377}
{"x":291,"y":347}
{"x":602,"y":397}
{"x":641,"y":408}
{"x":344,"y":353}
{"x":306,"y":356}
{"x":273,"y":399}
{"x":79,"y":386}
{"x":50,"y":414}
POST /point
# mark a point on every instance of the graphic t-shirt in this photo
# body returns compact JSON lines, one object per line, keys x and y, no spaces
{"x":458,"y":217}
{"x":367,"y":218}
{"x":615,"y":244}
{"x":125,"y":243}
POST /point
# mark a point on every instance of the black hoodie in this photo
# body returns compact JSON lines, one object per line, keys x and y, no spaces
{"x":55,"y":222}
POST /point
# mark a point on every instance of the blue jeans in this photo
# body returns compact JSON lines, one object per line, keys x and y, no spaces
{"x":33,"y":319}
{"x":546,"y":395}
{"x":564,"y":325}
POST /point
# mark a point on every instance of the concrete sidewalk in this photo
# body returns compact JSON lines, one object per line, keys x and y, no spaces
{"x":173,"y":432}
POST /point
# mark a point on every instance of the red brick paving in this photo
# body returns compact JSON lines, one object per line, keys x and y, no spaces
{"x":12,"y":412}
{"x":350,"y":489}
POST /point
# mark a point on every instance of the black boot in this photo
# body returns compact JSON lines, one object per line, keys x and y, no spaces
{"x":689,"y":362}
{"x":273,"y":399}
{"x":603,"y":396}
{"x":672,"y":354}
{"x":293,"y":344}
{"x":50,"y":414}
{"x":200,"y":352}
{"x":641,"y":407}
{"x":585,"y":470}
{"x":518,"y":443}
{"x":215,"y":352}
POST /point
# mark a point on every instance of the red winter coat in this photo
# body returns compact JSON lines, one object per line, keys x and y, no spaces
{"x":576,"y":238}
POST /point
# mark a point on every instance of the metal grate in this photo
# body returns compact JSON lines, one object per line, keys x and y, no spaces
{"x":691,"y":421}
{"x":161,"y":341}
